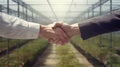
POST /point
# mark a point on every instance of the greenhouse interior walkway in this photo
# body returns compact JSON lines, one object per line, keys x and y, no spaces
{"x":98,"y":51}
{"x":50,"y":59}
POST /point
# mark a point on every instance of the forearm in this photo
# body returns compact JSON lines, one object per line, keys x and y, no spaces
{"x":42,"y":30}
{"x":15,"y":28}
{"x":75,"y":29}
{"x":99,"y":25}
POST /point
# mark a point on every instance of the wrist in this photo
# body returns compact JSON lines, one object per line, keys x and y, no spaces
{"x":42,"y":30}
{"x":76,"y":30}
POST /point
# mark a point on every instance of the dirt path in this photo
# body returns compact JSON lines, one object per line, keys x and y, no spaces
{"x":80,"y":57}
{"x":48,"y":58}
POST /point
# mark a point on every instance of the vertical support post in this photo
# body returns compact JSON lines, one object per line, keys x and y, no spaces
{"x":100,"y":37}
{"x":0,"y":8}
{"x":32,"y":16}
{"x":8,"y":41}
{"x":18,"y":14}
{"x":111,"y":33}
{"x":26,"y":13}
{"x":23,"y":11}
{"x":92,"y":11}
{"x":88,"y":14}
{"x":111,"y":45}
{"x":18,"y":8}
{"x":8,"y":7}
{"x":36,"y":18}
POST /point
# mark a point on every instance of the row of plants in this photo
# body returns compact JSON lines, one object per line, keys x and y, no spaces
{"x":104,"y":54}
{"x":12,"y":43}
{"x":106,"y":40}
{"x":67,"y":57}
{"x":24,"y":54}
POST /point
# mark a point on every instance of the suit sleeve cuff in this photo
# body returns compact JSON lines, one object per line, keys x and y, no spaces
{"x":87,"y":29}
{"x":34,"y":30}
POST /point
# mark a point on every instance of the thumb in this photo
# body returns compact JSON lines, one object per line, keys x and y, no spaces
{"x":57,"y":25}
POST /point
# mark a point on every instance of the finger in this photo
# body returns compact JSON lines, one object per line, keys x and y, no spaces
{"x":62,"y":36}
{"x":50,"y":40}
{"x":65,"y":35}
{"x":57,"y":39}
{"x":63,"y":29}
{"x":67,"y":39}
{"x":58,"y":25}
{"x":59,"y":42}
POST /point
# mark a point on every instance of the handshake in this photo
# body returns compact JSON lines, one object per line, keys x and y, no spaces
{"x":59,"y":33}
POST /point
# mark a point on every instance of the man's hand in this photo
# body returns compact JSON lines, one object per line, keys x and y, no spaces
{"x":70,"y":30}
{"x":55,"y":36}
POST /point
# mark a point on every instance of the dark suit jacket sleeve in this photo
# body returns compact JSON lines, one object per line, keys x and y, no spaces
{"x":99,"y":25}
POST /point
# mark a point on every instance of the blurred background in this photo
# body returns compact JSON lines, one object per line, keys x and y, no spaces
{"x":105,"y":49}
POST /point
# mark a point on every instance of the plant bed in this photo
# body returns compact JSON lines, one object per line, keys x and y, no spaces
{"x":67,"y":57}
{"x":12,"y":43}
{"x":12,"y":48}
{"x":36,"y":56}
{"x":24,"y":54}
{"x":103,"y":54}
{"x":90,"y":58}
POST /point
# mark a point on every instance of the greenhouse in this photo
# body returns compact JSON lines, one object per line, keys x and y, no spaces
{"x":26,"y":49}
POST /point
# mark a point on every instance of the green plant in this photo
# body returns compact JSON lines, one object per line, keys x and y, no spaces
{"x":92,"y":47}
{"x":67,"y":57}
{"x":26,"y":53}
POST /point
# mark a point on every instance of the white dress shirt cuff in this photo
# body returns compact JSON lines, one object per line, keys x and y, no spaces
{"x":34,"y":30}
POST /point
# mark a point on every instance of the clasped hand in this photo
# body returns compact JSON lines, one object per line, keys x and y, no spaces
{"x":59,"y":33}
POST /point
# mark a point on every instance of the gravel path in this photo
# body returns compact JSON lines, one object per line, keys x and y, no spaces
{"x":49,"y":58}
